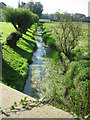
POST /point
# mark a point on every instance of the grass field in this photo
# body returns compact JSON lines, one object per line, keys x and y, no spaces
{"x":6,"y":28}
{"x":16,"y":59}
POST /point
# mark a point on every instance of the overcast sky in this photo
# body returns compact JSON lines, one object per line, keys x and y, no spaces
{"x":51,"y":6}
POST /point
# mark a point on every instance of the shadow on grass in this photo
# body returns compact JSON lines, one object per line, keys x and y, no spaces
{"x":28,"y":41}
{"x":23,"y":53}
{"x":32,"y":37}
{"x":11,"y":77}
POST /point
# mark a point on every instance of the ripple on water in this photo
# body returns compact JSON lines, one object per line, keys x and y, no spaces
{"x":37,"y":74}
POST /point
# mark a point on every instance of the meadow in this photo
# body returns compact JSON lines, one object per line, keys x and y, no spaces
{"x":69,"y":90}
{"x":16,"y":59}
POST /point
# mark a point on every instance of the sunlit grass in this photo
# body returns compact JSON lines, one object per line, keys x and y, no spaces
{"x":16,"y":59}
{"x":6,"y":28}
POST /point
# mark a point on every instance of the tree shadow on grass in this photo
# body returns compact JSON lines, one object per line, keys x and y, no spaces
{"x":23,"y":53}
{"x":31,"y":36}
{"x":11,"y":77}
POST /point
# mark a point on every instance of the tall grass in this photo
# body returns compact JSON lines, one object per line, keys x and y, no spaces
{"x":70,"y":90}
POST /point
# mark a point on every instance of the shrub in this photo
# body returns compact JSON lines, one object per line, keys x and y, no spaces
{"x":76,"y":81}
{"x":20,"y":18}
{"x":51,"y":42}
{"x":12,"y":38}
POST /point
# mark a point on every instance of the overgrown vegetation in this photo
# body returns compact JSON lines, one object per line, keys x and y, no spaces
{"x":69,"y":76}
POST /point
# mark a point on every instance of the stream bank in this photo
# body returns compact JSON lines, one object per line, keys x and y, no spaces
{"x":36,"y":83}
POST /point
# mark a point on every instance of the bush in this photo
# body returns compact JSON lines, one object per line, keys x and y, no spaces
{"x":76,"y":81}
{"x":12,"y":38}
{"x":51,"y":42}
{"x":20,"y":18}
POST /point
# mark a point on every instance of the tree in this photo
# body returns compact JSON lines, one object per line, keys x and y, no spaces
{"x":2,"y":5}
{"x":20,"y":18}
{"x":22,"y":5}
{"x":78,"y":17}
{"x":67,"y":33}
{"x":36,"y":7}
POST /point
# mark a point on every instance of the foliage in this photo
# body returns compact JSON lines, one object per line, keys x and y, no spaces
{"x":2,"y":5}
{"x":67,"y":33}
{"x":13,"y":37}
{"x":20,"y":18}
{"x":36,"y":7}
{"x":69,"y":91}
{"x":48,"y":16}
{"x":16,"y":59}
{"x":79,"y":17}
{"x":74,"y":17}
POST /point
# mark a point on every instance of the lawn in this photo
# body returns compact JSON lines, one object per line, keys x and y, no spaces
{"x":6,"y":28}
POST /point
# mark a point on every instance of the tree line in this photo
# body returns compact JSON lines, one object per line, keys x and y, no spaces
{"x":75,"y":17}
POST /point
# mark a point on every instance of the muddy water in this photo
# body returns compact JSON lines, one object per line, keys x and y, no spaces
{"x":35,"y":84}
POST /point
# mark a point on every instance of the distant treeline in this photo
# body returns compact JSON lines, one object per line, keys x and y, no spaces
{"x":75,"y":17}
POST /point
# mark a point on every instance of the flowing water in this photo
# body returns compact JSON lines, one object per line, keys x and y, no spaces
{"x":35,"y":84}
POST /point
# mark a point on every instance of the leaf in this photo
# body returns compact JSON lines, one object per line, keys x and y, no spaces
{"x":25,"y":98}
{"x":22,"y":101}
{"x":75,"y":116}
{"x":86,"y":116}
{"x":12,"y":107}
{"x":15,"y":104}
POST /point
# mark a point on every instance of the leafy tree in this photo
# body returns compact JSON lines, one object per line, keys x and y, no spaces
{"x":22,"y":5}
{"x":2,"y":5}
{"x":36,"y":7}
{"x":48,"y":16}
{"x":78,"y":17}
{"x":20,"y":18}
{"x":67,"y":33}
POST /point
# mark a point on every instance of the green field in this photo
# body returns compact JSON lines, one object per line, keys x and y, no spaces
{"x":16,"y":59}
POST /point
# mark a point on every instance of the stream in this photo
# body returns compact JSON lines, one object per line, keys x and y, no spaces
{"x":36,"y":83}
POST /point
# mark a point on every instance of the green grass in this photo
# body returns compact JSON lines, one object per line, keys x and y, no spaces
{"x":69,"y":91}
{"x":82,"y":43}
{"x":6,"y":28}
{"x":16,"y":59}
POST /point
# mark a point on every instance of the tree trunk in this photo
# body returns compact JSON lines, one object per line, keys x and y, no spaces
{"x":16,"y":27}
{"x":63,"y":63}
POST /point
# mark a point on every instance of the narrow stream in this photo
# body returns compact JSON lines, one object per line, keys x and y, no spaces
{"x":35,"y":84}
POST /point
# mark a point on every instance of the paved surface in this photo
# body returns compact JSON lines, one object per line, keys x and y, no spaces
{"x":8,"y":96}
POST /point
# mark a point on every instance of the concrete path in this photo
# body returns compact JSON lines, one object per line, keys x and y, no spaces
{"x":8,"y":96}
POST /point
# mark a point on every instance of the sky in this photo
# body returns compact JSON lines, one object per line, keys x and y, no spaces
{"x":52,"y":6}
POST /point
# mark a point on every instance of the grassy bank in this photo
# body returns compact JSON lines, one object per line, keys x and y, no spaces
{"x":69,"y":91}
{"x":16,"y":59}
